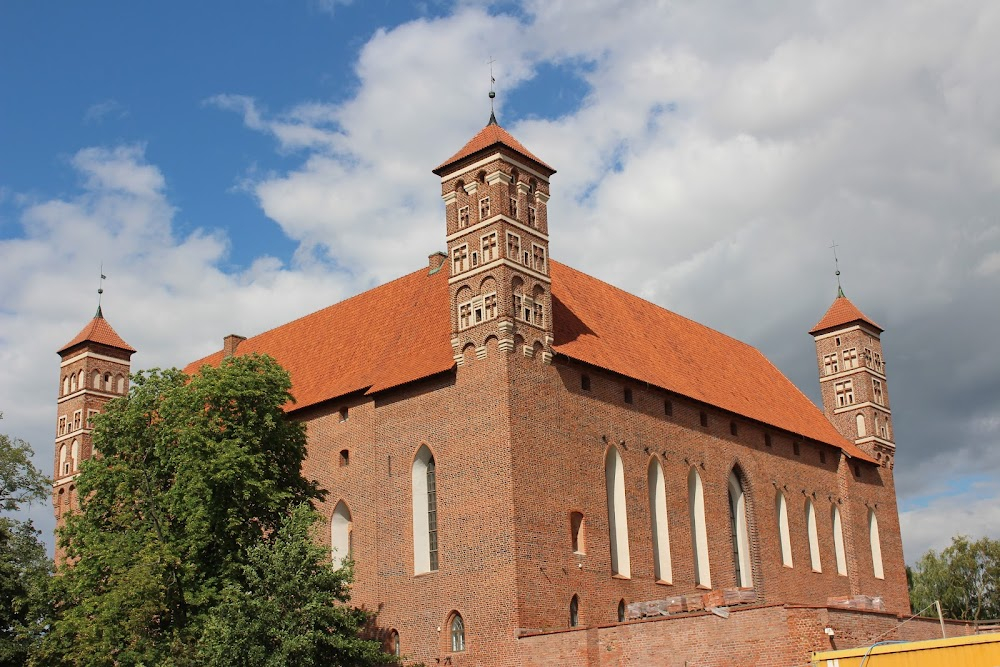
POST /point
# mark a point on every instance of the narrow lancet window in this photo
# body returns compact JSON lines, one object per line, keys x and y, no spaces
{"x":784,"y":535}
{"x":699,"y":535}
{"x":814,"y":559}
{"x":617,"y":518}
{"x":740,"y":533}
{"x":876,"y":545}
{"x":658,"y":514}
{"x":838,"y":542}
{"x":423,"y":481}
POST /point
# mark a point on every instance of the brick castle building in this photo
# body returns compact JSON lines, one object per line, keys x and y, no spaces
{"x":530,"y":466}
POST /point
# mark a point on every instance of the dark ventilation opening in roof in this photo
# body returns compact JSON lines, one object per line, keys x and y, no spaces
{"x":733,"y":429}
{"x":585,"y":382}
{"x":668,"y":407}
{"x":795,"y":448}
{"x":767,"y":439}
{"x":628,"y":395}
{"x":704,"y":418}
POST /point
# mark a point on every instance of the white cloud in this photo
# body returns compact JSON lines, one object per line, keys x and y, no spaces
{"x":718,"y":152}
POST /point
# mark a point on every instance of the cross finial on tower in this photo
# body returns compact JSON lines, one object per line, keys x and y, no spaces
{"x":493,"y":93}
{"x":836,"y":264}
{"x":100,"y":292}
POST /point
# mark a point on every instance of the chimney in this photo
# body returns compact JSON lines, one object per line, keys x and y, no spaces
{"x":230,"y":343}
{"x":435,"y":261}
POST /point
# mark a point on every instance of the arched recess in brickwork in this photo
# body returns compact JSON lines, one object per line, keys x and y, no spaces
{"x":699,"y":534}
{"x":838,"y":541}
{"x":65,"y":385}
{"x":578,"y":534}
{"x":456,"y":631}
{"x":614,"y":478}
{"x":75,"y":454}
{"x":739,"y":529}
{"x":574,"y":611}
{"x":425,"y":530}
{"x":107,"y":382}
{"x":784,"y":535}
{"x":121,"y":384}
{"x":814,"y":558}
{"x":860,"y":421}
{"x":876,"y":545}
{"x":341,"y":534}
{"x":72,"y":382}
{"x":658,"y":517}
{"x":95,"y":380}
{"x":81,"y":379}
{"x":63,"y":460}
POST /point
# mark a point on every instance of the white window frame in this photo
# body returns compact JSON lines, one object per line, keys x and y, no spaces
{"x":484,"y":208}
{"x":77,"y":420}
{"x":63,"y":425}
{"x":488,"y":245}
{"x":459,"y":258}
{"x":845,"y":393}
{"x":463,"y":217}
{"x":513,"y":246}
{"x":850,"y":358}
{"x":538,"y":260}
{"x":830,"y":364}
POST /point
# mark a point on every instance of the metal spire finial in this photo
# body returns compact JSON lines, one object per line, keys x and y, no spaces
{"x":100,"y":292}
{"x":493,"y":93}
{"x":836,"y":264}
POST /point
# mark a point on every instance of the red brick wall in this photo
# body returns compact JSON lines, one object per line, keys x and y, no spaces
{"x":770,"y":636}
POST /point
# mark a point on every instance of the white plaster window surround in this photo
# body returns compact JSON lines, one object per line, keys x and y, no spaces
{"x":699,"y":534}
{"x":814,"y":558}
{"x":498,"y":177}
{"x":424,"y":501}
{"x":449,"y":198}
{"x":838,"y":542}
{"x":614,"y":478}
{"x":876,"y":545}
{"x":662,"y":567}
{"x":341,"y":534}
{"x":784,"y":535}
{"x":477,"y":310}
{"x":489,"y":247}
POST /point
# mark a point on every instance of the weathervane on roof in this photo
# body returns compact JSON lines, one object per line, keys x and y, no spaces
{"x":100,"y":291}
{"x":493,"y":93}
{"x":836,"y":264}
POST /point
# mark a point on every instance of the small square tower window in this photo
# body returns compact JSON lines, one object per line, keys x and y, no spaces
{"x":345,"y":458}
{"x":343,"y":414}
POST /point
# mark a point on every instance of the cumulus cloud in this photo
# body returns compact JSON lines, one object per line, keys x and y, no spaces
{"x":717,"y":153}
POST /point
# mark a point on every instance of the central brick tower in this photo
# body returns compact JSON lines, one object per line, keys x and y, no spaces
{"x":495,"y":193}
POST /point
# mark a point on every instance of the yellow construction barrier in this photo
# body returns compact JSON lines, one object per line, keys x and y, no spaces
{"x":972,"y":651}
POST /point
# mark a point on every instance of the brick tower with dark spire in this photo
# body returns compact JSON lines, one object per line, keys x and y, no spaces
{"x":94,"y":368}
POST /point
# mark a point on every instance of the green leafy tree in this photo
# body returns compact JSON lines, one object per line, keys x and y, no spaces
{"x":24,"y":567}
{"x":196,"y":476}
{"x":281,"y":608}
{"x":965,"y":577}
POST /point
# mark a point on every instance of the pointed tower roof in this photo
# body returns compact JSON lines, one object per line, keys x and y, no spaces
{"x":842,"y":312}
{"x":488,"y":137}
{"x":98,"y":331}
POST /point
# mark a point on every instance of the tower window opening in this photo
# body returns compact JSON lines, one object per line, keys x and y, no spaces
{"x":703,"y":417}
{"x":668,"y":407}
{"x":531,"y":216}
{"x":62,"y":425}
{"x":733,"y":428}
{"x":538,"y":255}
{"x":513,"y":207}
{"x":489,"y":246}
{"x":844,"y":392}
{"x":767,"y":439}
{"x":463,"y":217}
{"x":584,"y":383}
{"x":344,"y":413}
{"x":796,"y":449}
{"x":459,"y":256}
{"x":850,"y":358}
{"x":484,"y":208}
{"x":77,"y":420}
{"x":836,"y":341}
{"x":822,"y":456}
{"x":513,"y":247}
{"x":628,"y":395}
{"x":344,"y":458}
{"x":830,"y":364}
{"x":877,"y":391}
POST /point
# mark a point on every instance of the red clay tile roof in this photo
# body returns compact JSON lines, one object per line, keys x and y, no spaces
{"x":604,"y":326}
{"x":396,"y":333}
{"x":401,"y":332}
{"x":98,"y":331}
{"x":489,"y":136}
{"x":840,"y":313}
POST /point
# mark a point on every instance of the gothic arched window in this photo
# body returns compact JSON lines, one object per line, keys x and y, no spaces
{"x":739,"y":531}
{"x":341,"y":534}
{"x":658,"y":517}
{"x":574,"y":611}
{"x":699,"y":535}
{"x":814,"y":559}
{"x":784,"y":535}
{"x":425,"y":527}
{"x":614,"y":477}
{"x":457,"y":632}
{"x":838,"y":542}
{"x":876,"y":545}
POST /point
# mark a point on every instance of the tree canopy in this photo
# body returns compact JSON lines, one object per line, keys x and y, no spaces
{"x":195,"y":494}
{"x":965,"y":577}
{"x":23,"y":564}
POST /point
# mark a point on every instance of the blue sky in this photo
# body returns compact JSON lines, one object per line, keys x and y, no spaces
{"x":236,"y":165}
